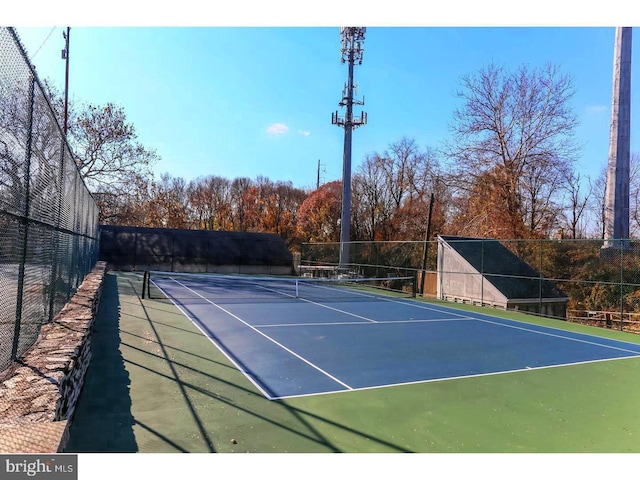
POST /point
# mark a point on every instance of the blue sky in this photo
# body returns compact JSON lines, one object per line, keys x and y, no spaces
{"x":257,"y":100}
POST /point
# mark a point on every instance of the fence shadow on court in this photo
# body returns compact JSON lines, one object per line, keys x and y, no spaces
{"x":103,"y":421}
{"x":212,"y":396}
{"x":215,"y":398}
{"x":189,"y":397}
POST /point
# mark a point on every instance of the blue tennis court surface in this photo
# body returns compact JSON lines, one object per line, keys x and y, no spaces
{"x":293,"y":346}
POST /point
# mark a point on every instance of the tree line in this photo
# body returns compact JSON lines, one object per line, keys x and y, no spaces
{"x":507,"y":171}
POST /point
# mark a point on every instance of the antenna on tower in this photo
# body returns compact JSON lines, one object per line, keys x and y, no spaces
{"x":351,"y":40}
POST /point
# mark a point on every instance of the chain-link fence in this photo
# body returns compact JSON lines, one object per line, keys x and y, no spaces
{"x":597,"y":282}
{"x":370,"y":259}
{"x":48,"y":219}
{"x":198,"y":251}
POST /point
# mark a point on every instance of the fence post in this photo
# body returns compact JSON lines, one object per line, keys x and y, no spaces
{"x":135,"y":251}
{"x":173,"y":252}
{"x":621,"y":285}
{"x":72,"y":263}
{"x":540,"y":278}
{"x":25,"y":222}
{"x":482,"y":273}
{"x":57,"y":233}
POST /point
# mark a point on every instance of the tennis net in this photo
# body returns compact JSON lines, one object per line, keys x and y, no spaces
{"x":243,"y":289}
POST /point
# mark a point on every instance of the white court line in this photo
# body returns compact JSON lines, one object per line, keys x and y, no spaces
{"x":414,"y":303}
{"x":460,"y":377}
{"x":559,"y":336}
{"x":359,"y":294}
{"x":378,"y":322}
{"x":500,"y":322}
{"x":449,"y":311}
{"x":197,"y":322}
{"x":268,"y":337}
{"x":368,"y":295}
{"x":316,"y":303}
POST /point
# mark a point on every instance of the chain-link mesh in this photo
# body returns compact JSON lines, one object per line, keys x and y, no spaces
{"x":585,"y":281}
{"x":176,"y":250}
{"x":48,"y":219}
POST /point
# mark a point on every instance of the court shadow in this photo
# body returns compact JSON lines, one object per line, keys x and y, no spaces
{"x":103,"y":421}
{"x":287,"y":425}
{"x":213,"y":401}
{"x":310,"y":419}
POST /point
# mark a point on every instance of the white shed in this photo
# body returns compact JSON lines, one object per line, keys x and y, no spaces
{"x":484,"y":272}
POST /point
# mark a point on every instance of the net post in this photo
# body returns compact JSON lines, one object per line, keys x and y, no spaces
{"x":145,"y":282}
{"x":414,"y":286}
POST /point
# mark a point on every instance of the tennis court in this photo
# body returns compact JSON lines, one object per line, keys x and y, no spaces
{"x":292,"y":337}
{"x":157,"y":382}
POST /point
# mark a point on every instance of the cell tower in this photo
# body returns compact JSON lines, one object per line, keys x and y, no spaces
{"x":352,"y":39}
{"x":616,"y":211}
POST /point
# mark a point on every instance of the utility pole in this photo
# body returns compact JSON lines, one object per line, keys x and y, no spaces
{"x":426,"y":245}
{"x":65,"y":56}
{"x":352,"y":39}
{"x":320,"y":170}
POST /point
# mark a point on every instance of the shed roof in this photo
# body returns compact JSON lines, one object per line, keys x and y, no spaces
{"x":511,"y":275}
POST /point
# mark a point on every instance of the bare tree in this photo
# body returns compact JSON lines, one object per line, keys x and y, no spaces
{"x":596,"y":205}
{"x":241,"y":201}
{"x":392,"y":190}
{"x":597,"y":199}
{"x":278,"y":204}
{"x":371,"y":200}
{"x":168,"y":206}
{"x":634,"y":194}
{"x":209,"y":199}
{"x":515,"y":130}
{"x":106,"y":150}
{"x":577,"y":198}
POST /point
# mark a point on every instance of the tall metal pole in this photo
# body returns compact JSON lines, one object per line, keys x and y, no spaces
{"x":616,"y":211}
{"x":426,"y":245}
{"x":65,"y":56}
{"x":345,"y":218}
{"x":352,"y":39}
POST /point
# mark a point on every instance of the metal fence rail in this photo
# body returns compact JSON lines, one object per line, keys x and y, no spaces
{"x":601,"y":285}
{"x":48,"y":218}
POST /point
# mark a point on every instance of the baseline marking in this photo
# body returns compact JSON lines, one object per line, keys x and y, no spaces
{"x":635,"y":352}
{"x":462,"y":377}
{"x":499,"y":322}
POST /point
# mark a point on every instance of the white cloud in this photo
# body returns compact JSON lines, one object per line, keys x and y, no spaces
{"x":596,"y":109}
{"x":304,"y":133}
{"x":277,"y":129}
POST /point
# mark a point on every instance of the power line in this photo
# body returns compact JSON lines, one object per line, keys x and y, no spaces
{"x":42,"y":44}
